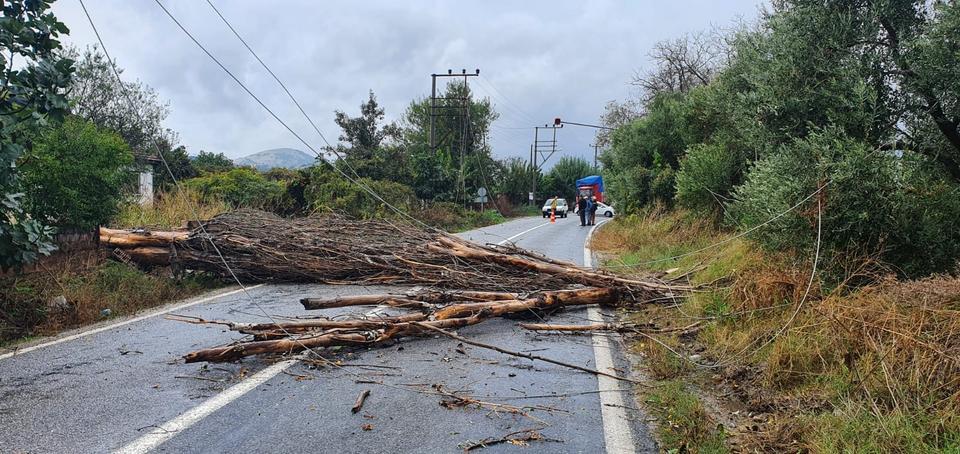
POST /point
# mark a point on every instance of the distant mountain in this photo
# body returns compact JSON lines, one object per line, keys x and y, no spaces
{"x":289,"y":158}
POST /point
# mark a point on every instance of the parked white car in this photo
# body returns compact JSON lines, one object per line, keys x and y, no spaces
{"x":605,"y":210}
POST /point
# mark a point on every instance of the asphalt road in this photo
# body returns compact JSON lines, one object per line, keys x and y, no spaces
{"x":124,"y":387}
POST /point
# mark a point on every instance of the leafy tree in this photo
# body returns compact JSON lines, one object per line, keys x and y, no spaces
{"x":641,"y":163}
{"x":30,"y":97}
{"x":75,"y":174}
{"x":516,"y":180}
{"x":211,"y":162}
{"x":97,"y":95}
{"x":561,"y":180}
{"x":368,"y":147}
{"x":181,"y":166}
{"x":461,"y":130}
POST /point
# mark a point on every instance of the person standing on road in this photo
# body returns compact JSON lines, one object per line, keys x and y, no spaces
{"x":587,"y":210}
{"x":553,"y":205}
{"x":593,"y":210}
{"x":582,"y":210}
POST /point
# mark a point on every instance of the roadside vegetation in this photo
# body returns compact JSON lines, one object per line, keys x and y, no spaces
{"x":804,"y":169}
{"x":45,"y":303}
{"x":868,"y":364}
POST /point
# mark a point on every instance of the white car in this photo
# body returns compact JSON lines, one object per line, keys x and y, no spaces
{"x":605,"y":210}
{"x":561,"y":208}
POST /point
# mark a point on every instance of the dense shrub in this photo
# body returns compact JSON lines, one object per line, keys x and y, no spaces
{"x":75,"y":174}
{"x":641,"y":164}
{"x":240,"y":187}
{"x":873,"y":203}
{"x":706,"y":174}
{"x":454,"y":218}
{"x":328,"y":192}
{"x":209,"y":162}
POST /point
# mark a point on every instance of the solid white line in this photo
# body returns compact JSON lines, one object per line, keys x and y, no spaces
{"x":617,"y":435}
{"x":173,"y":427}
{"x":521,"y":234}
{"x":138,"y":318}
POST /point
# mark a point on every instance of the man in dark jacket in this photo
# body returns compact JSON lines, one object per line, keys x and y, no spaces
{"x":582,"y":210}
{"x":593,"y":210}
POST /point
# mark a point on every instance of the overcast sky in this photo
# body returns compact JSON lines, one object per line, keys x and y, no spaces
{"x":537,"y":59}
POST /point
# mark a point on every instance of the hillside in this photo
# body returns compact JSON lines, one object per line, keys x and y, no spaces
{"x":289,"y":158}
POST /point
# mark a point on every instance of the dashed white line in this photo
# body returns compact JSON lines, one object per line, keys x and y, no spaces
{"x":617,"y":435}
{"x":173,"y":427}
{"x":138,"y":318}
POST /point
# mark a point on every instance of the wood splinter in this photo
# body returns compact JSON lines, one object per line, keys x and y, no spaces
{"x":360,"y":399}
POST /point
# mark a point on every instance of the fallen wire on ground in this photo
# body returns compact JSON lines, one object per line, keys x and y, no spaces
{"x":460,"y":283}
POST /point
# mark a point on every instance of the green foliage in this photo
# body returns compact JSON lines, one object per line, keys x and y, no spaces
{"x":686,"y":425}
{"x":369,"y":148}
{"x":241,"y":187}
{"x":31,"y":96}
{"x":461,"y":162}
{"x":561,"y":180}
{"x":642,"y":162}
{"x":209,"y":162}
{"x":875,"y":202}
{"x":75,"y":174}
{"x":179,"y":163}
{"x":855,"y":428}
{"x":328,"y":191}
{"x":516,"y":180}
{"x":131,"y":109}
{"x":454,"y":218}
{"x":707,"y":174}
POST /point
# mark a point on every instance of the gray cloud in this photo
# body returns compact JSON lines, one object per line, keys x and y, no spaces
{"x":537,"y":59}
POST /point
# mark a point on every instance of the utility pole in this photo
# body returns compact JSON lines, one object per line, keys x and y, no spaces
{"x":542,"y":149}
{"x":433,"y":101}
{"x":595,"y":152}
{"x":533,"y":167}
{"x":460,"y":108}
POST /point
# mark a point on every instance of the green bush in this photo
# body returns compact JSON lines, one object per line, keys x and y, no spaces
{"x":328,"y":192}
{"x":876,"y":203}
{"x":75,"y":175}
{"x":241,"y":187}
{"x":707,"y":174}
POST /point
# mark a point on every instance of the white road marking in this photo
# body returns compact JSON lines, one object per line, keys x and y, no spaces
{"x":138,"y":318}
{"x":173,"y":427}
{"x":521,"y":234}
{"x":617,"y":435}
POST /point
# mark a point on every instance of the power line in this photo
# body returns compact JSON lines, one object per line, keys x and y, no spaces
{"x":282,"y":85}
{"x":337,"y":169}
{"x":288,"y":128}
{"x":510,"y":103}
{"x":180,"y":189}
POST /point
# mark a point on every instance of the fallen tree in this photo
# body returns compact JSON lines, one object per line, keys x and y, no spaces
{"x":462,"y":283}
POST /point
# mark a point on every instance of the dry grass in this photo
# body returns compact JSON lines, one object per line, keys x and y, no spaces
{"x":170,"y":210}
{"x":880,"y":361}
{"x":118,"y":288}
